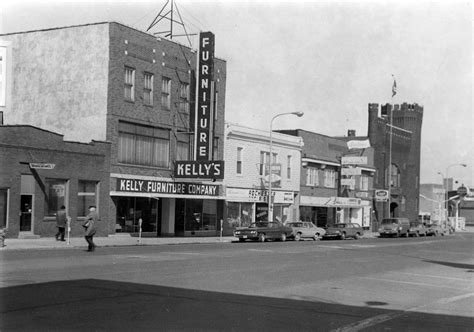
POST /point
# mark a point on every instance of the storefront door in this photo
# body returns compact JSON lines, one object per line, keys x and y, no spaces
{"x":26,"y":212}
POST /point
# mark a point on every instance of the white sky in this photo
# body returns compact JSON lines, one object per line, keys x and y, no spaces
{"x":325,"y":59}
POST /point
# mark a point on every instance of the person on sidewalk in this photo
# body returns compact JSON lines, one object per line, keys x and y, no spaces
{"x":61,"y":220}
{"x":90,"y":227}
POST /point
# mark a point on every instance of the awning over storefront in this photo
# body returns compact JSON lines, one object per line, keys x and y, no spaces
{"x":343,"y":202}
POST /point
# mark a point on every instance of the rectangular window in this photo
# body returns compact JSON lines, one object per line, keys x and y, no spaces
{"x":215,"y":149}
{"x":86,"y":196}
{"x":239,"y":160}
{"x":364,"y":182}
{"x":129,"y":84}
{"x":148,"y":89}
{"x":166,"y":93}
{"x":184,"y":97}
{"x":312,"y":176}
{"x":3,"y":75}
{"x":264,"y":156}
{"x":143,"y":145}
{"x":329,"y":178}
{"x":288,"y":168}
{"x":183,"y":147}
{"x":3,"y":207}
{"x":56,"y":191}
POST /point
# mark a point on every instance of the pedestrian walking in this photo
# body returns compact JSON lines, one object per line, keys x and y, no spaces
{"x":90,"y":227}
{"x":61,"y":220}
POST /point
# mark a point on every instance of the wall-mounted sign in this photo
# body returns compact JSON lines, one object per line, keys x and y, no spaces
{"x":42,"y":165}
{"x":351,"y":171}
{"x":205,"y":169}
{"x":259,"y":195}
{"x":463,"y":191}
{"x":381,"y":195}
{"x":354,"y":160}
{"x":162,"y":187}
{"x":358,"y":144}
{"x":204,"y":97}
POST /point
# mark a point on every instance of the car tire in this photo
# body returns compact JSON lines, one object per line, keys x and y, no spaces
{"x":283,"y":237}
{"x":316,"y":237}
{"x":357,"y":236}
{"x":241,"y":240}
{"x":297,"y":236}
{"x":343,"y":235}
{"x":262,"y":237}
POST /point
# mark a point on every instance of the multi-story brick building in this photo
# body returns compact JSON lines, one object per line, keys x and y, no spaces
{"x":39,"y":172}
{"x":107,"y":81}
{"x":247,"y":155}
{"x":324,"y":199}
{"x":404,"y":152}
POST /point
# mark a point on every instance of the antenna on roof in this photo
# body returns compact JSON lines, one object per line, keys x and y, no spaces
{"x":167,"y":13}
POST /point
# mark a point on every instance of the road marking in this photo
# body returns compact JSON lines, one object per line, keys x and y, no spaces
{"x":411,"y":283}
{"x":362,"y":324}
{"x":183,"y":253}
{"x":261,"y":250}
{"x":431,"y":276}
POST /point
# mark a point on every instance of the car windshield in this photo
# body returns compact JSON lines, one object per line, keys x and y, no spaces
{"x":295,"y":224}
{"x":389,"y":221}
{"x":259,"y":224}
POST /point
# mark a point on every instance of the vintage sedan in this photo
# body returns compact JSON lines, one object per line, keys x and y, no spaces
{"x":262,"y":231}
{"x":417,"y":229}
{"x":305,"y":229}
{"x":343,"y":231}
{"x":434,"y":229}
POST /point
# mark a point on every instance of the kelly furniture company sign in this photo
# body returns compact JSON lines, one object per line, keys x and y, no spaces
{"x":199,"y":169}
{"x":162,"y":187}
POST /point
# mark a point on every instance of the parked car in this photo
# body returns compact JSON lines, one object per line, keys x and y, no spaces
{"x":434,"y":229}
{"x":305,"y":229}
{"x":394,"y":227}
{"x":417,"y":228}
{"x":262,"y":231}
{"x":344,"y":230}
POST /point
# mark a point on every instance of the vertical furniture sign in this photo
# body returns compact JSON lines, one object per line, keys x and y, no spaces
{"x":204,"y":97}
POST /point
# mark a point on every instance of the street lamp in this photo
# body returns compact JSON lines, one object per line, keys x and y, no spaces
{"x":447,"y":188}
{"x":270,"y":202}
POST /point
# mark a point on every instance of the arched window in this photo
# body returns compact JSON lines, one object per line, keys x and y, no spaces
{"x":394,"y":177}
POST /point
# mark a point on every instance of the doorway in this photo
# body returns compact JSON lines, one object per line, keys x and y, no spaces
{"x":26,"y":213}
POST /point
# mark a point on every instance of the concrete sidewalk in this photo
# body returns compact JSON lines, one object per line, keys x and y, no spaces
{"x":117,"y":240}
{"x":109,"y":241}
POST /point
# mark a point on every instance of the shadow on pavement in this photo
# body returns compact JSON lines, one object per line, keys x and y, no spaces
{"x":102,"y":305}
{"x":451,"y":264}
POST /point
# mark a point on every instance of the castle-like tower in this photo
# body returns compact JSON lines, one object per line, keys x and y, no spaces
{"x":405,"y":153}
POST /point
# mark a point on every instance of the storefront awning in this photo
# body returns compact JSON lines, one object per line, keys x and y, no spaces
{"x":158,"y":196}
{"x":342,"y":202}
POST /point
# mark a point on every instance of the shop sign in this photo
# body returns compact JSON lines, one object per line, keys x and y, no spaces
{"x":162,"y":187}
{"x":259,"y":195}
{"x":42,"y":165}
{"x":345,"y":201}
{"x":351,"y":171}
{"x":381,"y":195}
{"x":354,"y":160}
{"x":357,"y":144}
{"x":199,"y":169}
{"x":363,"y":194}
{"x":204,"y":97}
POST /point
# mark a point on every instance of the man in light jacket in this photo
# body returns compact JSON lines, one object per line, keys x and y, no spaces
{"x":90,"y":227}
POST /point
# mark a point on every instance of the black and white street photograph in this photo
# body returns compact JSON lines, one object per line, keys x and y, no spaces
{"x":219,"y":165}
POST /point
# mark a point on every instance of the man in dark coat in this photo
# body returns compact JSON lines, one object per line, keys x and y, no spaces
{"x":90,"y":227}
{"x":61,"y":220}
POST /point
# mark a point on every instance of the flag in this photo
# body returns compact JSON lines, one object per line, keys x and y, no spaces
{"x":394,"y":87}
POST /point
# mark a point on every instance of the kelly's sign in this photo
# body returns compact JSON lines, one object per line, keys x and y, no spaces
{"x":204,"y":97}
{"x":199,"y":169}
{"x":161,"y":187}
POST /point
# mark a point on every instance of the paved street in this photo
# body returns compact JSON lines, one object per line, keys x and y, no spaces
{"x":414,"y":284}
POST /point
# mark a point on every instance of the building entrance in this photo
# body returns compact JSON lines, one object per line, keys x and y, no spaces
{"x":131,"y":209}
{"x":26,"y":212}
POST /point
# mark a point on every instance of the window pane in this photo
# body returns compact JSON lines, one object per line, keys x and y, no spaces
{"x":86,"y":197}
{"x":3,"y":207}
{"x":56,"y":196}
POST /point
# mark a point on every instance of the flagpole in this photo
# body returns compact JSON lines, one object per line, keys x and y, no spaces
{"x":394,"y":92}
